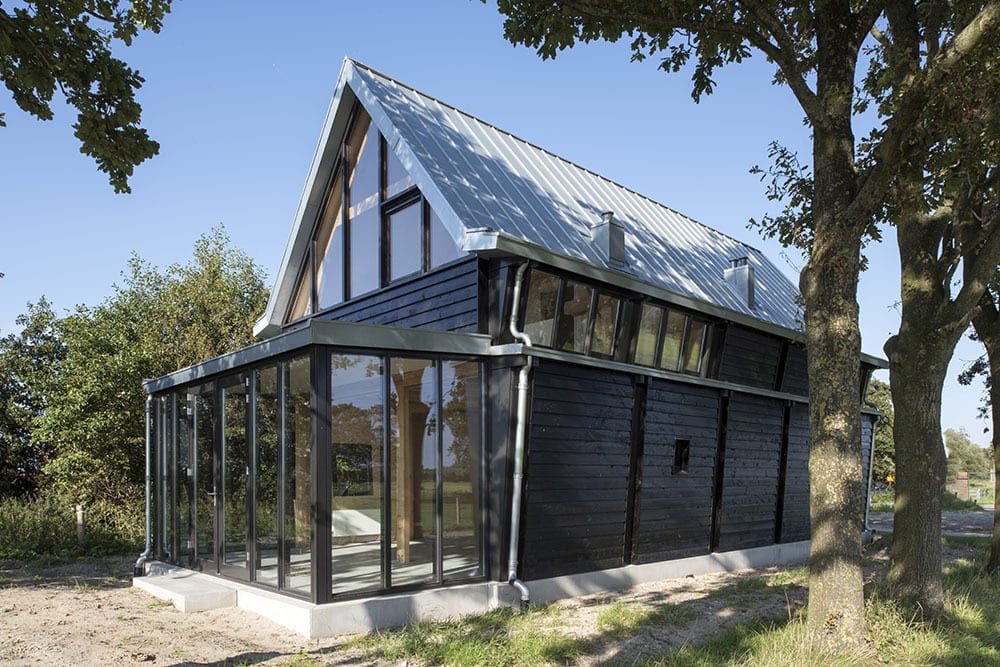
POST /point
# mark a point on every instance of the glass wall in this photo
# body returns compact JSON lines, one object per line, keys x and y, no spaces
{"x":374,"y":228}
{"x":235,"y":489}
{"x":296,"y":498}
{"x":413,"y":414}
{"x":267,"y":427}
{"x":356,"y":418}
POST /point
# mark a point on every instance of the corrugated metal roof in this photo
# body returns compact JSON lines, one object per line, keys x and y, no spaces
{"x":491,"y":178}
{"x":477,"y":176}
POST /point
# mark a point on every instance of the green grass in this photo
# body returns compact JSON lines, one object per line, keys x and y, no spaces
{"x":497,"y":639}
{"x":883,"y":501}
{"x":968,"y":634}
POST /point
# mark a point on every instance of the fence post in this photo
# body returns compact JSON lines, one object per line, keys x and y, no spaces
{"x":81,"y":532}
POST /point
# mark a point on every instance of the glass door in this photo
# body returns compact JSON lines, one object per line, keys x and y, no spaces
{"x":234,"y":469}
{"x":204,"y":474}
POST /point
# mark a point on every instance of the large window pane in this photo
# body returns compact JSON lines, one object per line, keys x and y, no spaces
{"x":266,"y":475}
{"x":297,"y":489}
{"x":167,"y":450}
{"x":397,"y":179}
{"x":649,"y":331}
{"x":413,"y":465}
{"x":602,"y":341}
{"x":356,"y":423}
{"x":184,"y":479}
{"x":406,"y":234}
{"x":443,"y":248}
{"x":234,"y":475}
{"x":574,"y":318}
{"x":330,"y":249}
{"x":693,"y":346}
{"x":204,"y":424}
{"x":540,"y":308}
{"x":363,"y":214}
{"x":672,"y":337}
{"x":460,"y":465}
{"x":303,"y":303}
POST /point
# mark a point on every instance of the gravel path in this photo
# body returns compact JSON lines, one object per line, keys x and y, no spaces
{"x":973,"y":524}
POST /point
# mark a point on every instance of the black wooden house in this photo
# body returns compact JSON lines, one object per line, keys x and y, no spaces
{"x":483,"y":364}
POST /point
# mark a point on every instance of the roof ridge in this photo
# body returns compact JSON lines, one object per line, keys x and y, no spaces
{"x":548,"y":152}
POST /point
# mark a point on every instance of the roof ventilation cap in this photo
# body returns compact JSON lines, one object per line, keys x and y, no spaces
{"x":740,"y":279}
{"x":609,"y":236}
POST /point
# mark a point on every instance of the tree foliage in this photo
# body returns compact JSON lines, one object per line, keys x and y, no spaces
{"x":154,"y":322}
{"x":964,"y":455}
{"x":28,"y":364}
{"x":66,"y":47}
{"x":883,"y":458}
{"x":816,"y":49}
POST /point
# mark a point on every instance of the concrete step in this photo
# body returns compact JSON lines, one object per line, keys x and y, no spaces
{"x":188,"y":590}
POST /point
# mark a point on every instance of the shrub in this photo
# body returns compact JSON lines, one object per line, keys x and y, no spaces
{"x":45,"y":525}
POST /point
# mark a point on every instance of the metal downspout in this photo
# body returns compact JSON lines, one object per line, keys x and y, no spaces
{"x":139,"y":569}
{"x":523,"y":385}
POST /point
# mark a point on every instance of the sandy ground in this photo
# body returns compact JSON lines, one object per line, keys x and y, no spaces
{"x":85,"y":612}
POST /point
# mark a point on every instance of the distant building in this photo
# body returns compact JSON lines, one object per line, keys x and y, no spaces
{"x":366,"y":463}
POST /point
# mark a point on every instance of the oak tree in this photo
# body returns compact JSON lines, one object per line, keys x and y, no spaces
{"x":816,"y":49}
{"x":50,"y":46}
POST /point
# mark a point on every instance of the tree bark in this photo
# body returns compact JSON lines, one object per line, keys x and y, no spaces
{"x":987,"y":326}
{"x":829,"y":285}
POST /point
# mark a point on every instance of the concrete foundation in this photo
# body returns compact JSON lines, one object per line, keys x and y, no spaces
{"x":193,"y":591}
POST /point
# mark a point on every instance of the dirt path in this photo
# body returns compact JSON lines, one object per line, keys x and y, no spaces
{"x":86,"y":612}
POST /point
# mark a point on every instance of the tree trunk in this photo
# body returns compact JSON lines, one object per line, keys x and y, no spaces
{"x":917,"y":371}
{"x":836,"y":601}
{"x":829,"y":285}
{"x":987,"y":326}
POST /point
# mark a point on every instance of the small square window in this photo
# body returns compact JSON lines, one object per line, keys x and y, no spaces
{"x":682,"y":454}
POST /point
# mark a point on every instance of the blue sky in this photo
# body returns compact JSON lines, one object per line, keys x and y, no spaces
{"x":236,"y":94}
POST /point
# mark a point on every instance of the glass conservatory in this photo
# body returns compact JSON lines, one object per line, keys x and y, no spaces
{"x":324,"y":469}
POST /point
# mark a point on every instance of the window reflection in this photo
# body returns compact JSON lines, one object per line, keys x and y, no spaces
{"x":413,"y":464}
{"x":406,"y":240}
{"x":266,"y":408}
{"x":460,"y":410}
{"x":602,"y":340}
{"x":397,"y":179}
{"x":363,"y":211}
{"x":296,"y":551}
{"x":330,"y":249}
{"x":574,"y":318}
{"x":693,"y":346}
{"x":649,"y":331}
{"x":673,"y":336}
{"x":540,"y":309}
{"x":234,"y":474}
{"x":204,"y":425}
{"x":356,"y":422}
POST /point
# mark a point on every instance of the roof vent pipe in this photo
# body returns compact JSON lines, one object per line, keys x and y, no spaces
{"x":740,"y":280}
{"x":609,"y":236}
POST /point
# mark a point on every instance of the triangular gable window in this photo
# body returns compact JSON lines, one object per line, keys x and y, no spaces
{"x":374,"y":228}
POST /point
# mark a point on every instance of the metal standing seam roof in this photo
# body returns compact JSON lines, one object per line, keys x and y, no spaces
{"x":478,"y":177}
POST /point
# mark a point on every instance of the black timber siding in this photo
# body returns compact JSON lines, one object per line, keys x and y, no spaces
{"x":674,"y":511}
{"x":795,"y":379}
{"x":750,"y":358}
{"x":446,"y":299}
{"x":577,"y":470}
{"x":867,"y":433}
{"x":750,"y":483}
{"x":795,"y":509}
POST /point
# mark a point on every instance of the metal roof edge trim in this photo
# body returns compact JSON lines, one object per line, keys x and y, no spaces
{"x":331,"y":332}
